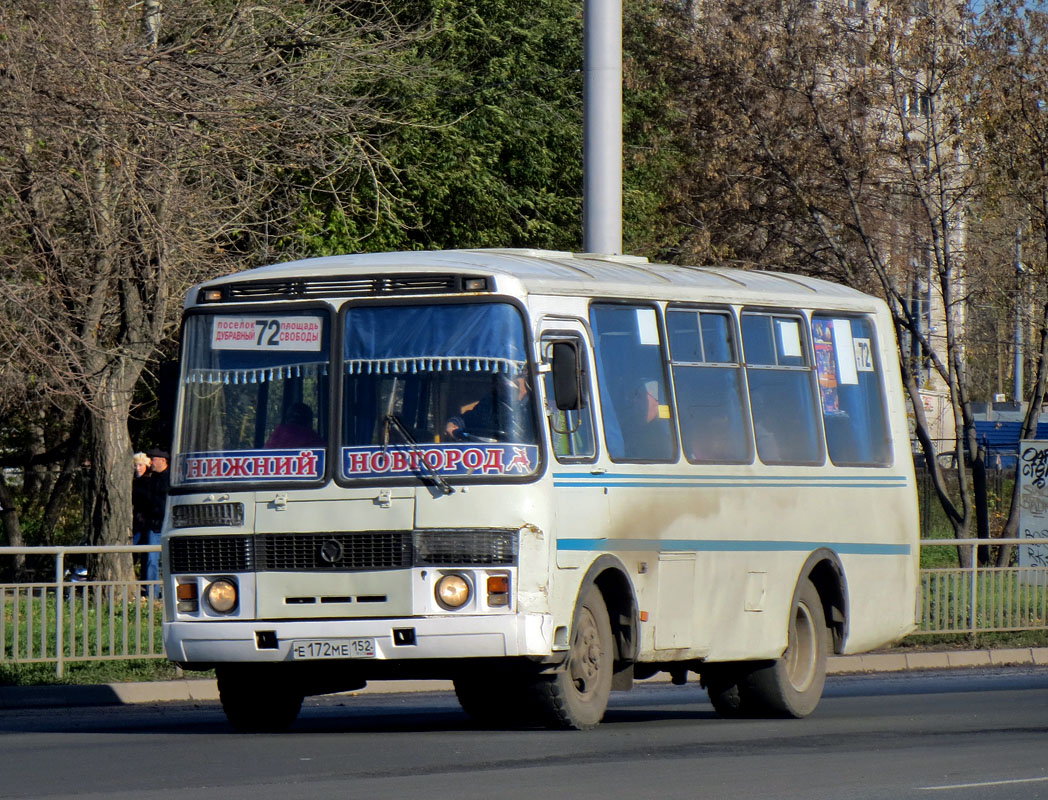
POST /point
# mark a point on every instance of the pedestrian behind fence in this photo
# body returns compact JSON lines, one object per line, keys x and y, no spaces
{"x":140,"y":513}
{"x":159,"y":482}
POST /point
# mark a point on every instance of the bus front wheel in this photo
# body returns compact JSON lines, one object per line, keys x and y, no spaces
{"x":790,"y":686}
{"x":257,"y":698}
{"x":496,"y":697}
{"x":576,"y":696}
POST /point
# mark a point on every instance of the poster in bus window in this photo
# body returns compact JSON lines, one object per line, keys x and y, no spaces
{"x":826,"y":366}
{"x":1033,"y":501}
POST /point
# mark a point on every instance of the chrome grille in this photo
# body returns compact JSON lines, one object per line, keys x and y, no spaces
{"x":369,"y":550}
{"x":208,"y":554}
{"x":464,"y":548}
{"x":207,"y":515}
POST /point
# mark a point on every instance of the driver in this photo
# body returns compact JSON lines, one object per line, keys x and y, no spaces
{"x":296,"y":430}
{"x":500,"y":414}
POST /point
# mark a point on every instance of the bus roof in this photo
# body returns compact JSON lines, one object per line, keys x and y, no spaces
{"x":560,"y":273}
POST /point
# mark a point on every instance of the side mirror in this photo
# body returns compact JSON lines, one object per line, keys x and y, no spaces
{"x":567,"y":376}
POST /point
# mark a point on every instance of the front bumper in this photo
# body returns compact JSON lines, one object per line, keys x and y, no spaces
{"x":500,"y":635}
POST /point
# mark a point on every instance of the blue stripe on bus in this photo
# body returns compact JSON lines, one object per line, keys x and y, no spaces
{"x":642,"y":480}
{"x":730,"y":546}
{"x":730,"y":477}
{"x":713,"y":484}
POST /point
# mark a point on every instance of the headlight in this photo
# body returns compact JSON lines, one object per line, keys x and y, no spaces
{"x":453,"y":591}
{"x":221,"y":596}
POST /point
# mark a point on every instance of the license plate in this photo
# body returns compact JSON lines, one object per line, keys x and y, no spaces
{"x":332,"y":648}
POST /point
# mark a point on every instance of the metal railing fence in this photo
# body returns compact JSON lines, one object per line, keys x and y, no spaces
{"x":982,"y":599}
{"x":63,"y":620}
{"x":67,"y":619}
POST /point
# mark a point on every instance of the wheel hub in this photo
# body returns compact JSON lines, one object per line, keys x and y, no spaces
{"x":802,"y":653}
{"x":586,"y":655}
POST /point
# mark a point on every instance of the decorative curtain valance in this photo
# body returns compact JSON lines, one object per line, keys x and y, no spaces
{"x":475,"y":337}
{"x":260,"y":375}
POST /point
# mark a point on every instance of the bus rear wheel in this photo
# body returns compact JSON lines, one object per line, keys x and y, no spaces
{"x":576,"y":696}
{"x":257,"y":699}
{"x":790,"y":686}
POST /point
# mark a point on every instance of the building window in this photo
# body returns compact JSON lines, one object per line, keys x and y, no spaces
{"x":917,"y":104}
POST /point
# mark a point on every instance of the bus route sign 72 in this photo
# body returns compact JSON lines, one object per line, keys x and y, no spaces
{"x":302,"y":333}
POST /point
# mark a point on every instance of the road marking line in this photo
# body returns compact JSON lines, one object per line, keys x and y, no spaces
{"x":978,"y":785}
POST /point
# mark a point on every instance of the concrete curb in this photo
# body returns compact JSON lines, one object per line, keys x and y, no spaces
{"x":109,"y":694}
{"x":938,"y":659}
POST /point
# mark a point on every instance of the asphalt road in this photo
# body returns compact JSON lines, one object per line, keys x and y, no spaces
{"x":979,"y":734}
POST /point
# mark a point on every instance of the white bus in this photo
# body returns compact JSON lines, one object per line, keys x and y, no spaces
{"x":540,"y":475}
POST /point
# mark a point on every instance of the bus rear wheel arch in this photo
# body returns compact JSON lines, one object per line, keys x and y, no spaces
{"x":789,"y":686}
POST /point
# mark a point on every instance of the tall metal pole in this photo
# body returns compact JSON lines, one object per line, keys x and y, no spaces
{"x":602,"y":126}
{"x":1017,"y":389}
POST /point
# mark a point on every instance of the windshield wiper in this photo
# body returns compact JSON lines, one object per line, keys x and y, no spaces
{"x":391,"y":420}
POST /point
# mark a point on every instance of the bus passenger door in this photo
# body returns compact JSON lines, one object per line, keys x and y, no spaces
{"x":580,"y":502}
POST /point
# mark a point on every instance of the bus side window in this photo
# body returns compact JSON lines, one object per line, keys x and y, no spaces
{"x":707,"y":378}
{"x":851,"y":391}
{"x":631,"y":376}
{"x":571,"y":432}
{"x":782,"y":397}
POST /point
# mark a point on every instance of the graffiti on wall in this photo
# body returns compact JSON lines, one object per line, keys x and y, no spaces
{"x":1033,"y":501}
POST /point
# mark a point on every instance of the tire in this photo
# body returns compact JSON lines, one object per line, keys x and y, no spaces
{"x":257,"y":699}
{"x":576,"y":696}
{"x":495,"y":698}
{"x":476,"y":696}
{"x":790,"y":686}
{"x":725,"y":694}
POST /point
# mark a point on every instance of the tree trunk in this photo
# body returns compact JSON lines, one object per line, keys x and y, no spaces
{"x":111,"y":458}
{"x":58,"y":500}
{"x":982,"y":503}
{"x":12,"y":526}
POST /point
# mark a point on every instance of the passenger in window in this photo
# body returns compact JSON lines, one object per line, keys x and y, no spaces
{"x":769,"y":445}
{"x":296,"y":430}
{"x":645,"y":429}
{"x":713,"y":438}
{"x":501,"y":415}
{"x":785,"y":431}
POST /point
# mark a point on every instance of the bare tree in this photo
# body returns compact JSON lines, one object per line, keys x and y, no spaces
{"x":39,"y":462}
{"x":143,"y":148}
{"x":848,"y":130}
{"x":1011,"y":97}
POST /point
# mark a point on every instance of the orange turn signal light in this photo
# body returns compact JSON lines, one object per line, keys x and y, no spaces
{"x":498,"y":584}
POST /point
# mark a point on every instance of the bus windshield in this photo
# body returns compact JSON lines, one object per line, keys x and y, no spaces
{"x":255,"y":397}
{"x":437,"y":388}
